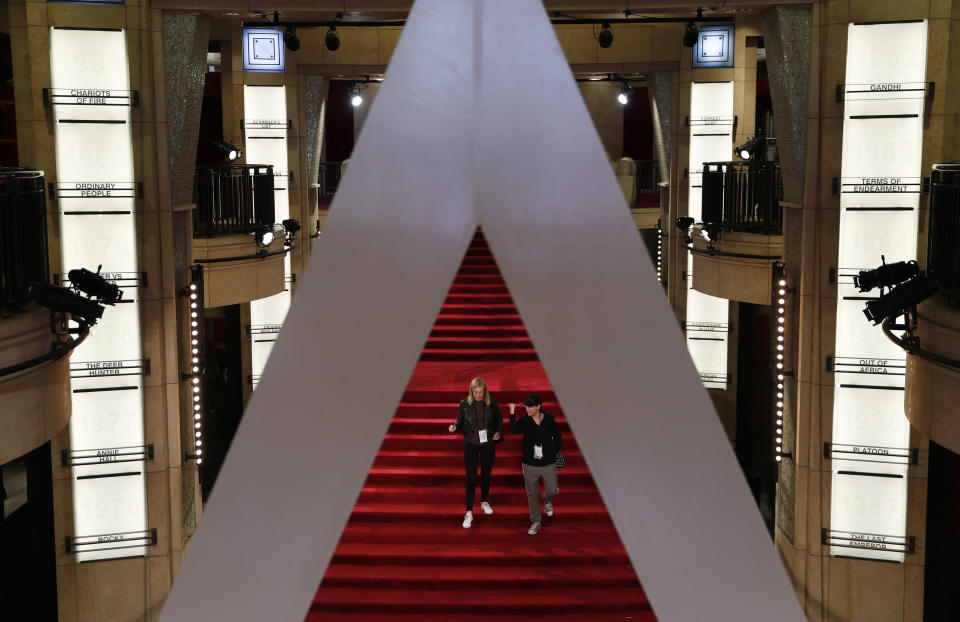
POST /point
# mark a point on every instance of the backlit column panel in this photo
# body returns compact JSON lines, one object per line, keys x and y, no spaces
{"x":711,"y":140}
{"x":880,"y":185}
{"x":265,"y":130}
{"x":95,"y":193}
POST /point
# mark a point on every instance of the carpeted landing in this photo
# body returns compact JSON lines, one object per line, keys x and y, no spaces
{"x":404,"y":556}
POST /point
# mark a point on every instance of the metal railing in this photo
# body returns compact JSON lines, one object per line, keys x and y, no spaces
{"x":943,"y":242}
{"x":329,"y":178}
{"x":648,"y":177}
{"x":232,"y":198}
{"x":23,"y":236}
{"x":743,"y":196}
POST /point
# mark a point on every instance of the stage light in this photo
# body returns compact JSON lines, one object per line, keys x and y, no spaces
{"x":901,"y":298}
{"x":264,"y":236}
{"x":887,"y":275}
{"x":623,"y":97}
{"x":684,"y":223}
{"x":690,"y":34}
{"x":605,"y":38}
{"x":710,"y":232}
{"x":290,"y":39}
{"x":749,"y":149}
{"x":228,"y":151}
{"x":62,"y":300}
{"x":291,"y":226}
{"x":356,"y":99}
{"x":332,"y":39}
{"x":95,"y":286}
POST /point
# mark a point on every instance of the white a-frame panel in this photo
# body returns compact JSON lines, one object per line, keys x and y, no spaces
{"x":711,"y":140}
{"x":265,"y":140}
{"x":880,"y":187}
{"x":472,"y":134}
{"x":588,"y":294}
{"x":95,"y":197}
{"x":401,"y":222}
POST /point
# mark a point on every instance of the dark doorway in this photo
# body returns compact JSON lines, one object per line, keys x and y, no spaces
{"x":941,"y":601}
{"x":338,"y":123}
{"x":755,"y":413}
{"x":222,"y":390}
{"x":28,"y":570}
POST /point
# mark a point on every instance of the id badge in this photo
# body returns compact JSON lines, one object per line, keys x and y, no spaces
{"x":483,"y":436}
{"x":538,"y":452}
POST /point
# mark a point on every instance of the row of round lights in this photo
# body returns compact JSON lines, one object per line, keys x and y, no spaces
{"x":659,"y":254}
{"x":781,"y":322}
{"x":195,"y":371}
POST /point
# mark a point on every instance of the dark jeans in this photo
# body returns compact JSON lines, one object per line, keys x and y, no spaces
{"x":485,"y":452}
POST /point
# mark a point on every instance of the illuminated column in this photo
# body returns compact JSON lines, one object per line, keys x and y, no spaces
{"x":711,"y":140}
{"x":879,"y":189}
{"x":95,"y":193}
{"x":265,"y":128}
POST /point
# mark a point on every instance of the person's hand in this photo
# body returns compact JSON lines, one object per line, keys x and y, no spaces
{"x":452,"y":428}
{"x":496,"y":436}
{"x":513,"y":409}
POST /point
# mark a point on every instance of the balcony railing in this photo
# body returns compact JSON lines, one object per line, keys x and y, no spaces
{"x":329,"y":178}
{"x":648,"y":180}
{"x":943,"y":243}
{"x":743,"y":196}
{"x":232,"y":198}
{"x":23,"y":236}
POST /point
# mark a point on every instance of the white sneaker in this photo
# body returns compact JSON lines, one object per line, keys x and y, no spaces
{"x":548,"y":508}
{"x":485,"y":506}
{"x":467,"y":520}
{"x":534,"y":528}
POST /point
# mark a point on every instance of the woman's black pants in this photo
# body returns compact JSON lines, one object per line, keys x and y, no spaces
{"x":485,"y":453}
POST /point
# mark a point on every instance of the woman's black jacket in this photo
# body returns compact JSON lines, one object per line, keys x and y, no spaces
{"x":466,"y":419}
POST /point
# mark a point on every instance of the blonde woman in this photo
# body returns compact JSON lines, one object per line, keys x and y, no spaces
{"x":482,"y":424}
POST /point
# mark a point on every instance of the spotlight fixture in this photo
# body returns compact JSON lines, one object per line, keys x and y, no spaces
{"x":356,"y":99}
{"x":901,"y":298}
{"x":84,"y":311}
{"x":887,"y":275}
{"x":605,"y":38}
{"x":690,"y":34}
{"x":684,"y":223}
{"x":290,"y":228}
{"x":228,"y":151}
{"x":332,"y":39}
{"x":264,"y":236}
{"x":290,"y":39}
{"x":94,"y":285}
{"x":710,"y":232}
{"x":623,"y":96}
{"x":749,"y":149}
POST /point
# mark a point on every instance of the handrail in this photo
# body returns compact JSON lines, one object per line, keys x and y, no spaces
{"x":743,"y":196}
{"x":943,"y":254}
{"x":232,"y":199}
{"x":911,"y":345}
{"x":23,"y":236}
{"x":55,"y":354}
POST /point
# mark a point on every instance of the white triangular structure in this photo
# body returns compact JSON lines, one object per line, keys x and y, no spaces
{"x":494,"y":129}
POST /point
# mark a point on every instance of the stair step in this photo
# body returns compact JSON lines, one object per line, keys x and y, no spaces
{"x":523,"y":551}
{"x":391,"y":576}
{"x":457,"y":319}
{"x":479,"y":331}
{"x":479,"y":355}
{"x":434,"y":425}
{"x":478,"y":299}
{"x":416,"y":396}
{"x":485,"y":343}
{"x":504,"y":474}
{"x":491,"y":309}
{"x":384,"y":601}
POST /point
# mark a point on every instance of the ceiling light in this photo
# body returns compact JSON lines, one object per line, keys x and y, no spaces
{"x":605,"y":38}
{"x":690,"y":34}
{"x":290,"y":39}
{"x":332,"y":40}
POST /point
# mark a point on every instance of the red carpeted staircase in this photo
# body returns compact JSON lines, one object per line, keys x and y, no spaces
{"x":404,"y":555}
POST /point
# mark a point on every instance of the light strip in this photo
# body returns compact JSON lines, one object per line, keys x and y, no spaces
{"x":193,"y":294}
{"x":659,"y":253}
{"x":779,"y":360}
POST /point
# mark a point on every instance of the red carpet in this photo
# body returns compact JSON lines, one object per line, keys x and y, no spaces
{"x":404,"y":556}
